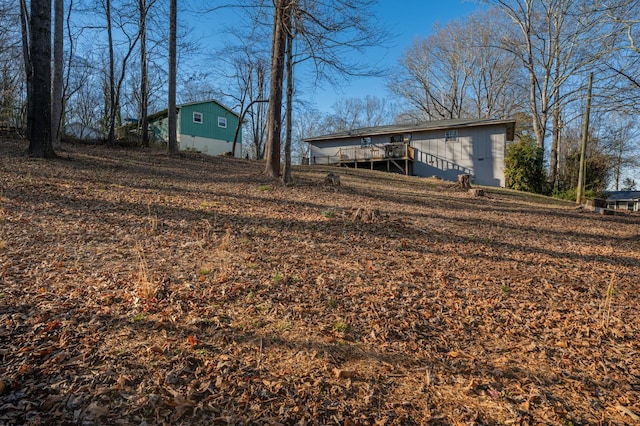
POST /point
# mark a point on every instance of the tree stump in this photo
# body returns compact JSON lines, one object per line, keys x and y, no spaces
{"x":464,"y":181}
{"x":332,"y":179}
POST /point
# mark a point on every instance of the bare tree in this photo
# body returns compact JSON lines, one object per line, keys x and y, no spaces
{"x":557,"y":40}
{"x":26,"y":57}
{"x":622,"y":134}
{"x":128,"y":36}
{"x":12,"y":76}
{"x":57,"y":101}
{"x":353,"y":113}
{"x":111,"y":105}
{"x":308,"y":122}
{"x":435,"y":79}
{"x":460,"y":71}
{"x":286,"y":175}
{"x":325,"y":33}
{"x":274,"y":113}
{"x":241,"y":72}
{"x":623,"y":61}
{"x":144,"y":74}
{"x":40,"y":106}
{"x":496,"y":75}
{"x":172,"y":146}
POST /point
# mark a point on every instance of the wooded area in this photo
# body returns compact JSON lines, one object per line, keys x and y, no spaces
{"x":527,"y":59}
{"x":137,"y":287}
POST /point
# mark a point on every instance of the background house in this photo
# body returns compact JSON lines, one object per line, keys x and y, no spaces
{"x":444,"y":148}
{"x":624,"y":200}
{"x":207,"y":127}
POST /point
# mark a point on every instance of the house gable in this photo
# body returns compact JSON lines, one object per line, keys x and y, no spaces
{"x":208,"y":120}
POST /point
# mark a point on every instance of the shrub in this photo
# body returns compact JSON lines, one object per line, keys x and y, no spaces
{"x":524,"y":166}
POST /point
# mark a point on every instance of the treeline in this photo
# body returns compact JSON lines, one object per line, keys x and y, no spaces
{"x":523,"y":59}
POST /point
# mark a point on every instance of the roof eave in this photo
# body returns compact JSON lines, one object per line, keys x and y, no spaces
{"x":385,"y":130}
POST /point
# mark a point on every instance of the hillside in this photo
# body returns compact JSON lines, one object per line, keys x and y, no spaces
{"x":136,"y":288}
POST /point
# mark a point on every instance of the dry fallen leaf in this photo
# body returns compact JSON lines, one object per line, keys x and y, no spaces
{"x":628,"y":412}
{"x":192,"y":340}
{"x":495,"y":303}
{"x":344,"y":374}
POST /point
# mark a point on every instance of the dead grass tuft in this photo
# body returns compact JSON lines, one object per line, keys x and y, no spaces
{"x":604,"y":312}
{"x":146,"y":289}
{"x":225,"y":242}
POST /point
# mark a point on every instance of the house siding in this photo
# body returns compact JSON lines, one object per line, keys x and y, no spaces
{"x":209,"y":127}
{"x":206,"y":137}
{"x":478,"y":150}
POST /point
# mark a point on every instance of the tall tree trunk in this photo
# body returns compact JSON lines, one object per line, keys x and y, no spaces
{"x":258,"y":120}
{"x":556,"y":133}
{"x":274,"y":113}
{"x":144,"y":75}
{"x":556,"y":114}
{"x":40,"y":51}
{"x":28,"y":65}
{"x":286,"y":176}
{"x":172,"y":146}
{"x":57,"y":102}
{"x":112,"y":78}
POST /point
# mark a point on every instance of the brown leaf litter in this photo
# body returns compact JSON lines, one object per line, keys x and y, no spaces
{"x":137,"y":288}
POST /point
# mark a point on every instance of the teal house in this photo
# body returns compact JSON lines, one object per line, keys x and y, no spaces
{"x":208,"y":127}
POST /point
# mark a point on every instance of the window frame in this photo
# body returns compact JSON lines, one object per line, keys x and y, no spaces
{"x":222,"y":120}
{"x":198,"y":114}
{"x":451,"y":135}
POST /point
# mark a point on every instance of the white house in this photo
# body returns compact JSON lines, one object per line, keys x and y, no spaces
{"x":624,"y":200}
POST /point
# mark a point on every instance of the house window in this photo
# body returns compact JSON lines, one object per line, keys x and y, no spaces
{"x":450,"y":135}
{"x":222,"y":122}
{"x":197,"y":117}
{"x":365,"y":142}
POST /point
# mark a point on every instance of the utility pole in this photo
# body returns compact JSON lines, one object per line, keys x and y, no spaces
{"x":583,"y":150}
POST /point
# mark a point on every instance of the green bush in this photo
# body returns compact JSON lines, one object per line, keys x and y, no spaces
{"x":572,"y":194}
{"x":524,"y":166}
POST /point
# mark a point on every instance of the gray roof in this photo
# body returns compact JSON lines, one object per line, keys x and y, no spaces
{"x":623,"y":195}
{"x":412,"y":127}
{"x":166,"y":111}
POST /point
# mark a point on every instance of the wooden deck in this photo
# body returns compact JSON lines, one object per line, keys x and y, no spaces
{"x":392,"y":157}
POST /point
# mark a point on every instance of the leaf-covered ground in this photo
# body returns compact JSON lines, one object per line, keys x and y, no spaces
{"x":136,"y":288}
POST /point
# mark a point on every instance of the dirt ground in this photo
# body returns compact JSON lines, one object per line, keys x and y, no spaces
{"x":136,"y":288}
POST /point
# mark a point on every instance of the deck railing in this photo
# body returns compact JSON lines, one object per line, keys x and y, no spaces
{"x":399,"y":151}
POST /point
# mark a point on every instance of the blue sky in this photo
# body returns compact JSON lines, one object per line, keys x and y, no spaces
{"x":403,"y":19}
{"x":406,"y":21}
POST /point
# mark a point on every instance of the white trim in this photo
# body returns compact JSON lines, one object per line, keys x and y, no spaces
{"x":222,"y":122}
{"x":200,"y":115}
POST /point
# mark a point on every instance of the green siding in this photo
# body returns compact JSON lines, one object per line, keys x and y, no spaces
{"x":209,"y":127}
